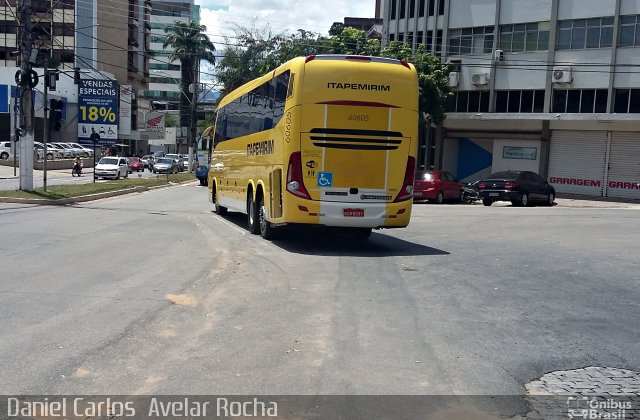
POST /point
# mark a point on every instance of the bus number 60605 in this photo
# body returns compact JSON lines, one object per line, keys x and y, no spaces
{"x":358,"y":117}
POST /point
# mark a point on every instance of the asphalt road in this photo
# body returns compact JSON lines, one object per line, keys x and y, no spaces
{"x":153,"y":293}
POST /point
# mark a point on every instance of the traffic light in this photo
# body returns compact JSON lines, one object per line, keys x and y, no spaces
{"x":55,"y":114}
{"x":76,"y":75}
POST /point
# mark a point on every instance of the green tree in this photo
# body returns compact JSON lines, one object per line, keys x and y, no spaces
{"x":190,"y":45}
{"x":352,"y":41}
{"x":244,"y":58}
{"x":260,"y":52}
{"x":170,"y":120}
{"x":433,"y":79}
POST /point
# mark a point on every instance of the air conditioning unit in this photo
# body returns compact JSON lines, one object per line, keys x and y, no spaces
{"x":480,"y":79}
{"x":562,"y":75}
{"x":454,"y":79}
{"x":499,"y":55}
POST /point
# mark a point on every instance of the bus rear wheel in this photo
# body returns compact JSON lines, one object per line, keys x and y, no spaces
{"x":266,"y":230}
{"x":220,"y":210}
{"x":252,"y":215}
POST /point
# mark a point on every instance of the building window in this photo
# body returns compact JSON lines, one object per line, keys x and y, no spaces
{"x":403,"y":8}
{"x":412,"y":8}
{"x":420,"y":39}
{"x":158,"y":66}
{"x":63,"y":29}
{"x":469,"y":101}
{"x":441,"y":8}
{"x":524,"y":37}
{"x":429,"y":41}
{"x":579,"y":101}
{"x":392,"y":37}
{"x":520,"y":101}
{"x":627,"y":101}
{"x":8,"y":27}
{"x":438,"y":51}
{"x":477,"y":40}
{"x":580,"y":34}
{"x":629,"y":31}
{"x":394,"y":6}
{"x":410,"y":38}
{"x":421,"y":5}
{"x":432,"y":7}
{"x":164,"y":80}
{"x":400,"y":37}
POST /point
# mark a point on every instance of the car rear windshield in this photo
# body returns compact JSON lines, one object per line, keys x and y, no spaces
{"x":165,"y":160}
{"x":504,"y":175}
{"x":108,"y":161}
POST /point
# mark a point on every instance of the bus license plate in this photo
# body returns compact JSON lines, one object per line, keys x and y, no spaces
{"x":353,"y":212}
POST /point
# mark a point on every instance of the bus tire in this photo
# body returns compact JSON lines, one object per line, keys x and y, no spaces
{"x":219,"y":210}
{"x":253,"y":224}
{"x":266,"y":230}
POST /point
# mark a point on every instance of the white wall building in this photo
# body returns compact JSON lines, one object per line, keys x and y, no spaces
{"x":165,"y":76}
{"x":546,"y":85}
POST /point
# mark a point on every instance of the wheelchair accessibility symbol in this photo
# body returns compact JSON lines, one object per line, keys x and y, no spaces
{"x":325,"y":179}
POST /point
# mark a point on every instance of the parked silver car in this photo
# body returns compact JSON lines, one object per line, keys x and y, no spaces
{"x":5,"y":150}
{"x":178,"y":159}
{"x":165,"y":165}
{"x":52,"y":152}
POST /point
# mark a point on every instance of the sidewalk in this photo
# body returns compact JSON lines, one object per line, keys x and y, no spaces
{"x":572,"y":200}
{"x":6,"y":172}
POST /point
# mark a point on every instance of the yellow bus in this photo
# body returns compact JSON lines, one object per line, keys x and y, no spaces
{"x":322,"y":140}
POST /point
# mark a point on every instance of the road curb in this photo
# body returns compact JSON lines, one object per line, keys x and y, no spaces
{"x":84,"y":198}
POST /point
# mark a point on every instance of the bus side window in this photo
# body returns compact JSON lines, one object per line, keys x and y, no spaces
{"x":290,"y":87}
{"x":281,"y":84}
{"x":220,"y":131}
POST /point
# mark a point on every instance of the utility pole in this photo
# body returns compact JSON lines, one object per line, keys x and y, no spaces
{"x":50,"y":79}
{"x":27,"y":79}
{"x":194,"y":111}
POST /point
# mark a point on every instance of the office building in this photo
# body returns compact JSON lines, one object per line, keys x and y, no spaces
{"x":109,"y":37}
{"x":551,"y":86}
{"x":164,"y":83}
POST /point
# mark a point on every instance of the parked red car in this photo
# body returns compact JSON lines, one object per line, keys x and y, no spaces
{"x":137,"y":165}
{"x":436,"y":186}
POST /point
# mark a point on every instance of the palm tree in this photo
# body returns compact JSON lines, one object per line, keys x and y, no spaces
{"x":190,"y":45}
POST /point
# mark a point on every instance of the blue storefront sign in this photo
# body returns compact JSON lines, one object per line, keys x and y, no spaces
{"x":98,"y":111}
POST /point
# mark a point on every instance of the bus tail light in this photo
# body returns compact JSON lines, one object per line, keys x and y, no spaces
{"x":295,"y":184}
{"x":406,"y":192}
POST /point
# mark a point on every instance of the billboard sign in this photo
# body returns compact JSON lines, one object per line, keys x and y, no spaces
{"x":126,"y":97}
{"x":155,"y":122}
{"x":98,"y":111}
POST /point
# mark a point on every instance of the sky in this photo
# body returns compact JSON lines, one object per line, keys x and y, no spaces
{"x":220,"y":16}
